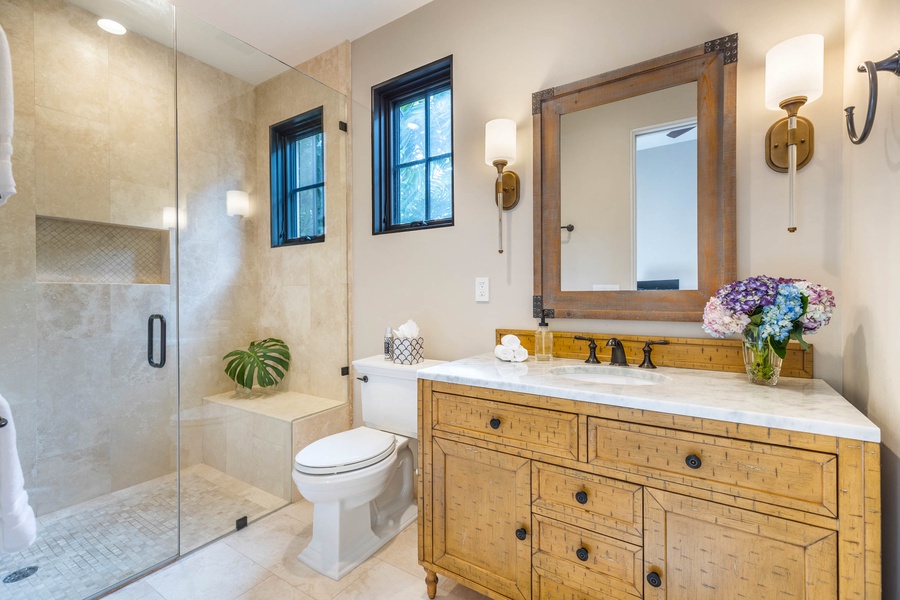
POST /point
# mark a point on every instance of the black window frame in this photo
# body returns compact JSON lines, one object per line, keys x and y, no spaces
{"x":282,"y":137}
{"x":424,"y":81}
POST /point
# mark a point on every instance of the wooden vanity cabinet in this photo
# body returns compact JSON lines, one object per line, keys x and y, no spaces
{"x":524,"y":496}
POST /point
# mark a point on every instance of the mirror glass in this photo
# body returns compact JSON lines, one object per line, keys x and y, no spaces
{"x":628,"y":186}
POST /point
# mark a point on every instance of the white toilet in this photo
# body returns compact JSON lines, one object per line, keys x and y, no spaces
{"x":362,"y":481}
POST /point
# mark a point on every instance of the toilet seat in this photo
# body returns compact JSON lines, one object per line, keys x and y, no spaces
{"x":346,"y":451}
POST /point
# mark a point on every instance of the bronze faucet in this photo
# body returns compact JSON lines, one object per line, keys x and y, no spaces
{"x":618,"y":353}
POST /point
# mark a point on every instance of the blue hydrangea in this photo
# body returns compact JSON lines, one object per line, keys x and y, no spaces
{"x":778,"y":318}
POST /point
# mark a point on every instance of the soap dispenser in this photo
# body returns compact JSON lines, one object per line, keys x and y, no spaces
{"x":543,"y":341}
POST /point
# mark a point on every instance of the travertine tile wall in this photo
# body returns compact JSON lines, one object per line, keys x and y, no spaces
{"x":304,"y":289}
{"x":218,"y":264}
{"x":94,"y":140}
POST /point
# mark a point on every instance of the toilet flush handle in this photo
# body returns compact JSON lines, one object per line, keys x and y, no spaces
{"x":364,"y":378}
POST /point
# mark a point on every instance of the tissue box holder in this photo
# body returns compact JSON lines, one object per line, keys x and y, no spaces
{"x":408,"y":351}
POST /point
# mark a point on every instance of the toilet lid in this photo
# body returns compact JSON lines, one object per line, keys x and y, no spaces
{"x":345,"y":451}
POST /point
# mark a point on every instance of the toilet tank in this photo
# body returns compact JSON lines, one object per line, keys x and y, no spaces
{"x":389,"y":398}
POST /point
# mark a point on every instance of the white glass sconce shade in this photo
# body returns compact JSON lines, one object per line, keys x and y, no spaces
{"x":795,"y":68}
{"x":237,"y":203}
{"x":500,"y":141}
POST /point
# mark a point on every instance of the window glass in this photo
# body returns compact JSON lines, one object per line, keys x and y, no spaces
{"x":298,"y":180}
{"x":412,"y":131}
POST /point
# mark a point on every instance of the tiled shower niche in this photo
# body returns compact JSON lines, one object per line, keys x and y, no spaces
{"x":86,"y":252}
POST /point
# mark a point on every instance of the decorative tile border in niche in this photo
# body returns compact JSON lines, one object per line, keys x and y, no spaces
{"x":87,"y":252}
{"x":707,"y":354}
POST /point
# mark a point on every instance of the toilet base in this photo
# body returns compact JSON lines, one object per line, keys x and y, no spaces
{"x":344,"y":534}
{"x":339,"y":546}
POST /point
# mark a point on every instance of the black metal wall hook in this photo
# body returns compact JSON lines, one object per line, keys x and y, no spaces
{"x":892,"y":64}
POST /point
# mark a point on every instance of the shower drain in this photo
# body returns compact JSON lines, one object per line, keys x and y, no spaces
{"x":20,"y":574}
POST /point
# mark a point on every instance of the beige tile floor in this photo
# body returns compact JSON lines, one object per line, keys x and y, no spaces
{"x":260,"y":563}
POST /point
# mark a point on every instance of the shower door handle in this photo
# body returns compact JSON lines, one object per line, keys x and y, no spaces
{"x":162,"y":341}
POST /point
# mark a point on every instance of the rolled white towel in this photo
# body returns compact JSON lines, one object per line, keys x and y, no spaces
{"x":504,"y":353}
{"x":511,"y":341}
{"x":18,"y":528}
{"x":520,"y":354}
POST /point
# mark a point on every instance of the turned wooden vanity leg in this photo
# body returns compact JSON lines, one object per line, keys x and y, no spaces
{"x":431,"y":581}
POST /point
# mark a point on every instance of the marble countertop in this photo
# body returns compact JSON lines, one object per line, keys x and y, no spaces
{"x":807,"y":405}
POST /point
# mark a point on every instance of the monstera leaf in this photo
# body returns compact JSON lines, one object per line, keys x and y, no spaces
{"x":265,"y":360}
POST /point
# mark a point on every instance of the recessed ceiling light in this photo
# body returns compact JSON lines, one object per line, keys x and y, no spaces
{"x":111,"y":26}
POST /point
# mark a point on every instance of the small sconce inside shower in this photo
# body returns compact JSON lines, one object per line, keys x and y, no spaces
{"x":237,"y":203}
{"x":172,"y":218}
{"x":892,"y":64}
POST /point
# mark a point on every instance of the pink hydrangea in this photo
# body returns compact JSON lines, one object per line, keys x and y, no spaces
{"x":821,"y":305}
{"x":719,"y":321}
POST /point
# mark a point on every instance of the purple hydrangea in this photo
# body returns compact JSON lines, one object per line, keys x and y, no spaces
{"x":746,"y":295}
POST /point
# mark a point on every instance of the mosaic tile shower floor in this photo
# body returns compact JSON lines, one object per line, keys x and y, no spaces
{"x":85,"y":548}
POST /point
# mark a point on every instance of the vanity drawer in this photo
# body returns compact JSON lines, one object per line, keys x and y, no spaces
{"x":537,"y":429}
{"x":779,"y":475}
{"x":546,"y":586}
{"x":587,"y":560}
{"x":601,"y":504}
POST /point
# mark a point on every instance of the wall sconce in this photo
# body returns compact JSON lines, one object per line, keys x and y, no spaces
{"x":794,"y":77}
{"x":500,"y":152}
{"x":237,"y":203}
{"x":172,"y":218}
{"x":892,"y":64}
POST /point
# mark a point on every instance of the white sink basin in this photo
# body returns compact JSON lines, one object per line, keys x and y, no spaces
{"x":609,"y":375}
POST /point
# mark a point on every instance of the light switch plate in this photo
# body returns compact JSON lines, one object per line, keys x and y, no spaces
{"x":482,"y":289}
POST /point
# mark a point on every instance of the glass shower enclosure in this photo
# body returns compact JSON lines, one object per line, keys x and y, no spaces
{"x":124,"y":280}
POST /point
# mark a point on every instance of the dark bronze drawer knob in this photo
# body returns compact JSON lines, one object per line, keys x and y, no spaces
{"x":495,"y":423}
{"x":521,"y":533}
{"x":582,"y":554}
{"x":581,"y":497}
{"x":693,"y":461}
{"x":654,"y":579}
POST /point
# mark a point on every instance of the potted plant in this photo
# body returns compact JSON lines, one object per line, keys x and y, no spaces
{"x":266,"y":361}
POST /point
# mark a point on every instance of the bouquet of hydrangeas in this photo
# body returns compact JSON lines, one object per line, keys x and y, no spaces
{"x":769,"y":311}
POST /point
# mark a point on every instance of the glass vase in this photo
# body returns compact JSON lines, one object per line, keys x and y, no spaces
{"x":762,"y":364}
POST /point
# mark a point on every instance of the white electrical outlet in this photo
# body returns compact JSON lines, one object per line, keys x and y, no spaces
{"x":482,"y":289}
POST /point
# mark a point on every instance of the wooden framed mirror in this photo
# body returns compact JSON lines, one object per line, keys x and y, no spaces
{"x":634,"y":212}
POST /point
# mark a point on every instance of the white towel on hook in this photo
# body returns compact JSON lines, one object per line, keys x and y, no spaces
{"x":7,"y":111}
{"x":18,"y":529}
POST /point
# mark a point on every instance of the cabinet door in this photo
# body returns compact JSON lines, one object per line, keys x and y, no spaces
{"x":480,"y":499}
{"x":707,"y":551}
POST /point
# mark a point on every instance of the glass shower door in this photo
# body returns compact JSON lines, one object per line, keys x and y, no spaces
{"x":87,"y":258}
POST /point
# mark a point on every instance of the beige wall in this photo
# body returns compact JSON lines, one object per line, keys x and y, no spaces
{"x":871,"y":210}
{"x":501,"y":56}
{"x":94,"y":140}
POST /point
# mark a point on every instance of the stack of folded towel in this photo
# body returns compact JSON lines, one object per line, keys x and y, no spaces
{"x":18,"y":529}
{"x":510,"y":349}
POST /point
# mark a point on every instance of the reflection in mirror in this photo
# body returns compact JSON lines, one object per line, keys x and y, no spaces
{"x":628,"y":182}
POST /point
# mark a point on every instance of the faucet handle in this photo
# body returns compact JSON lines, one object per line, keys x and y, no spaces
{"x":648,"y":364}
{"x":592,"y":359}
